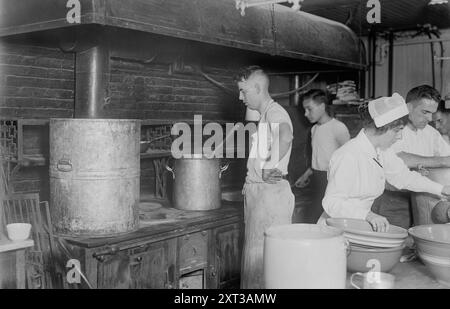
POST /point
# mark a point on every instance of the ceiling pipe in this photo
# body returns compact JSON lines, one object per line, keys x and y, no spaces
{"x":419,"y":42}
{"x":295,"y":82}
{"x":373,"y":64}
{"x":92,"y":56}
{"x":391,"y":63}
{"x":91,"y":76}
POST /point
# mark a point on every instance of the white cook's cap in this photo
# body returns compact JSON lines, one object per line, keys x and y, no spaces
{"x":387,"y":109}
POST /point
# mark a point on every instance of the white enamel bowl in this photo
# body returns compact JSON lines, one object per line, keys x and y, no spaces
{"x":361,"y":232}
{"x":18,"y":231}
{"x":433,"y":247}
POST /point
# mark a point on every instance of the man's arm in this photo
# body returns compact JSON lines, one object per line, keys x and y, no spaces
{"x":303,"y":180}
{"x":342,"y":135}
{"x":282,"y":139}
{"x":398,"y":175}
{"x":285,"y":137}
{"x":440,"y":149}
{"x":414,"y":161}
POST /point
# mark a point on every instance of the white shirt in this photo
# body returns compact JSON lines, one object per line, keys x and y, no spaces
{"x":355,"y":179}
{"x":446,"y":138}
{"x":275,"y":114}
{"x":426,"y":142}
{"x":325,"y":139}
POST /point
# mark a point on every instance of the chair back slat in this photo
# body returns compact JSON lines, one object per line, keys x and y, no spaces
{"x":35,"y":213}
{"x":14,"y":211}
{"x":21,"y":213}
{"x":26,"y":208}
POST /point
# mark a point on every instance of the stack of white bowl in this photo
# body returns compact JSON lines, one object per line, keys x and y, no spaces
{"x":367,"y":245}
{"x":433,"y":247}
{"x":360,"y":232}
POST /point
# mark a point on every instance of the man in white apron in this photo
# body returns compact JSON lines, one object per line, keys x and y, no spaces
{"x":268,"y":196}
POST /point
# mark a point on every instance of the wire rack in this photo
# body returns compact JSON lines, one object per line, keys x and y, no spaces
{"x":9,"y":152}
{"x":156,"y":138}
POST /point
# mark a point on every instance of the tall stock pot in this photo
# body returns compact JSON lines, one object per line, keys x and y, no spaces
{"x":197,"y":183}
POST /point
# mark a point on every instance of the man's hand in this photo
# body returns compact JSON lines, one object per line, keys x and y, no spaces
{"x":302,"y":181}
{"x":271,"y":176}
{"x":422,"y":170}
{"x":446,"y":191}
{"x":379,"y":223}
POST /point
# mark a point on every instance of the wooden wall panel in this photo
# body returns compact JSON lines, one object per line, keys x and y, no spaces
{"x":412,"y":65}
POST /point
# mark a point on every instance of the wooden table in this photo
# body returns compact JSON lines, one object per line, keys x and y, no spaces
{"x":12,"y":263}
{"x":410,"y":275}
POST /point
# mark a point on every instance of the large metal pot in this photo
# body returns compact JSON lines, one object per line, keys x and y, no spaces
{"x":94,"y":176}
{"x":441,"y":212}
{"x":424,"y":203}
{"x":197,"y":183}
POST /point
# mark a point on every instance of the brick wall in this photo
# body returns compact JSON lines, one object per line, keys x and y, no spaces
{"x":38,"y":82}
{"x":155,"y":91}
{"x":35,"y":82}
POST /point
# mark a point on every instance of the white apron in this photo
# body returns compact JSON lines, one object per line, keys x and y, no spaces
{"x":265,"y":205}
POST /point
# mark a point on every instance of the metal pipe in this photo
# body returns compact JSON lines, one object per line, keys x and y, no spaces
{"x":296,"y":96}
{"x":391,"y":62}
{"x":251,"y":4}
{"x":308,"y":72}
{"x":374,"y":63}
{"x":433,"y":75}
{"x":91,"y":77}
{"x":417,"y":42}
{"x":370,"y":67}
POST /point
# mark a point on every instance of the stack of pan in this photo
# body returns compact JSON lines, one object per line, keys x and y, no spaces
{"x":368,"y":248}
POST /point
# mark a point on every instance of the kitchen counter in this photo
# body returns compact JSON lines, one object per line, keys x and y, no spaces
{"x":159,"y":220}
{"x":414,"y":275}
{"x":409,"y":275}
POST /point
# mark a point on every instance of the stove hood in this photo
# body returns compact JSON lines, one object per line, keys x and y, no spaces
{"x":281,"y":32}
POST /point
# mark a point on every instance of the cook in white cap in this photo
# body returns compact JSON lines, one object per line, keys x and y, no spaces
{"x":359,"y":169}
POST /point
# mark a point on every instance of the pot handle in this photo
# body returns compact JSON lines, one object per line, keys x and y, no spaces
{"x":170,"y":170}
{"x":223,"y":169}
{"x":351,"y":279}
{"x":348,"y":247}
{"x":64,"y":165}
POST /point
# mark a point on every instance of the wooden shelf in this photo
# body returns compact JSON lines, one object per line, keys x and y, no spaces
{"x":156,"y":154}
{"x":155,"y":122}
{"x":34,"y":160}
{"x":159,"y":154}
{"x":8,"y":245}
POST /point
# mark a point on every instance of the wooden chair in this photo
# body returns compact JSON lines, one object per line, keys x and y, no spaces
{"x":27,"y":208}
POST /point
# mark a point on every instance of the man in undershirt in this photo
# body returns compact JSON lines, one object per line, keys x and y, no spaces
{"x":268,"y":198}
{"x":327,"y":135}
